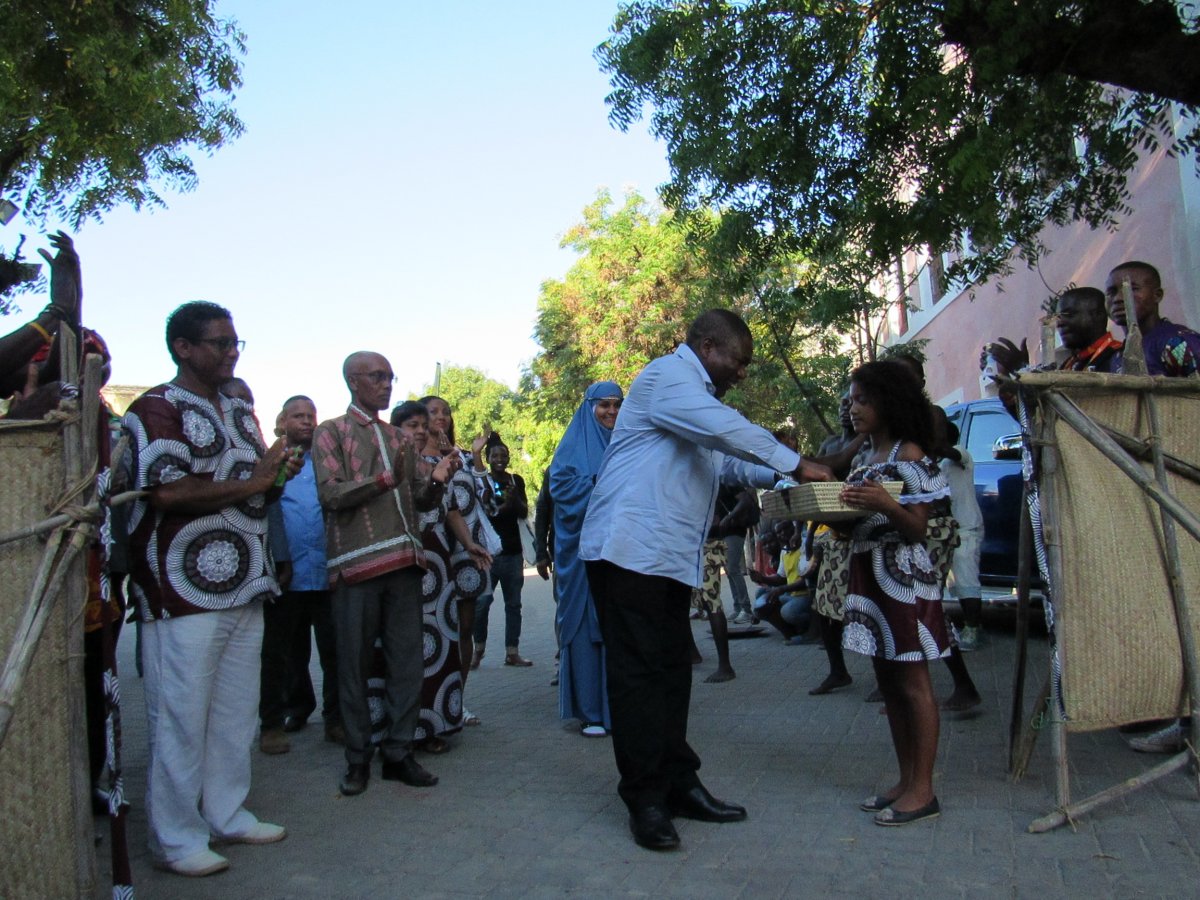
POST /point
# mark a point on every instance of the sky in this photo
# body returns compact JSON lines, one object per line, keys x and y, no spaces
{"x":405,"y":178}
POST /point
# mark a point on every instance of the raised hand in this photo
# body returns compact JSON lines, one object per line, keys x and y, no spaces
{"x":1008,"y":356}
{"x":66,"y":279}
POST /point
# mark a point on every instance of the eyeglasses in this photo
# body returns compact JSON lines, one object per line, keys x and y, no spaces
{"x":223,"y":345}
{"x":377,"y":377}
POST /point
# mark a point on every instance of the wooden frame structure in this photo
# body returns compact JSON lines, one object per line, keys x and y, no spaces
{"x":50,"y":467}
{"x":1139,"y":662}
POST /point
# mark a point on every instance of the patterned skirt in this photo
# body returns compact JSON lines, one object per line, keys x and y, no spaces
{"x":893,"y":606}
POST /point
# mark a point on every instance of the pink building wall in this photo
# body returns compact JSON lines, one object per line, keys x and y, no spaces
{"x":1162,"y":230}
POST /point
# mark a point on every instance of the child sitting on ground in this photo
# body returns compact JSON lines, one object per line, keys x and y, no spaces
{"x":783,"y":598}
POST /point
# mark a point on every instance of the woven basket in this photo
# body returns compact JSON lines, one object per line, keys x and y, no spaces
{"x":816,"y":502}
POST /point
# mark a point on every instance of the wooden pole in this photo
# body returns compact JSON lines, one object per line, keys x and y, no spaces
{"x":1029,"y":732}
{"x":1024,"y":569}
{"x":81,"y":455}
{"x":1067,"y":811}
{"x":1052,"y":539}
{"x":47,"y":525}
{"x":1183,"y":612}
{"x":1140,"y":449}
{"x":47,"y":586}
{"x":1104,"y":381}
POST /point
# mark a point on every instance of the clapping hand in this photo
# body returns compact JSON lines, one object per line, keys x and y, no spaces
{"x":447,"y":466}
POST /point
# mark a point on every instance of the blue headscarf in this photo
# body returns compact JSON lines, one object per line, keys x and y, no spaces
{"x":585,"y":440}
{"x":572,"y":476}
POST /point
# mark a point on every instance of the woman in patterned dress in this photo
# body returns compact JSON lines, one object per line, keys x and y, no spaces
{"x":468,"y":580}
{"x":443,"y":534}
{"x":899,"y":555}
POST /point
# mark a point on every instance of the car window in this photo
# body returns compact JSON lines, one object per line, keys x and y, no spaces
{"x":985,"y":428}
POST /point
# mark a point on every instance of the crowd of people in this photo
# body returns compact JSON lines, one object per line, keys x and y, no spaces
{"x":386,"y":540}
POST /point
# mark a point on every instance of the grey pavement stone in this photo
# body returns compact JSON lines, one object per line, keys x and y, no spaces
{"x":527,"y":807}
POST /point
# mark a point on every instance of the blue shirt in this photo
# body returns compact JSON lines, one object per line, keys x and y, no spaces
{"x":673,"y":444}
{"x":305,"y":529}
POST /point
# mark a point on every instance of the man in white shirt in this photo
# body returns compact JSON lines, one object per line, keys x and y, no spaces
{"x":643,"y":538}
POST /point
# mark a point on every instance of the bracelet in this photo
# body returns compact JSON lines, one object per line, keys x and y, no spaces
{"x":479,"y":474}
{"x":46,"y":336}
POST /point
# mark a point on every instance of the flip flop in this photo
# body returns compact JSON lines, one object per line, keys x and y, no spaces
{"x":891,"y":816}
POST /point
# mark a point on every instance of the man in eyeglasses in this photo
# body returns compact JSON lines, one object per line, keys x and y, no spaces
{"x":200,"y":569}
{"x":371,"y":485}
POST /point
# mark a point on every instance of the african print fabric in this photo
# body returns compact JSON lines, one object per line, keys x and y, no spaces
{"x":833,"y":574}
{"x":450,"y":576}
{"x":183,"y":563}
{"x":893,"y":607}
{"x":708,"y":596}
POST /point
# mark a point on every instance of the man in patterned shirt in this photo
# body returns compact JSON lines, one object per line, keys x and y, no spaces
{"x":1170,"y":349}
{"x":371,"y":485}
{"x":200,"y":569}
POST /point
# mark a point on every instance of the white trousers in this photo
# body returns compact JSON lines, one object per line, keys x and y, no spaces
{"x":201,"y":685}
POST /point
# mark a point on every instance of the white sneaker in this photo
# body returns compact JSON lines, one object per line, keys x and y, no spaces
{"x":1171,"y":739}
{"x":742,"y":618}
{"x":259,"y":833}
{"x":205,"y":862}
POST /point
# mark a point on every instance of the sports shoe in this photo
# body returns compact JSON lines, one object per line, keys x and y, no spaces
{"x":258,"y":833}
{"x":1171,"y":739}
{"x":969,"y":638}
{"x":203,"y":862}
{"x":742,"y":618}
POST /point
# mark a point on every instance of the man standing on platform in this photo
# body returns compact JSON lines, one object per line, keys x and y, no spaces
{"x":1170,"y":349}
{"x":674,"y":443}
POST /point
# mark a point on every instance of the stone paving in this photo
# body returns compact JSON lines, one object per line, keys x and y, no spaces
{"x":527,"y":807}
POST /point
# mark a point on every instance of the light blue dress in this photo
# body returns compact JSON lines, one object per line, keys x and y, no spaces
{"x":582,"y":691}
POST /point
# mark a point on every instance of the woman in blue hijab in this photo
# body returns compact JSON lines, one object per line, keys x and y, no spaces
{"x":582,"y":692}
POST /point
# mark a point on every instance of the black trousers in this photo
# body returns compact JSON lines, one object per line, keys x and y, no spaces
{"x":289,"y":624}
{"x":648,"y":647}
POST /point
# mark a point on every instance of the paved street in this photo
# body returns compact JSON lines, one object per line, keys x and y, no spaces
{"x":527,"y":807}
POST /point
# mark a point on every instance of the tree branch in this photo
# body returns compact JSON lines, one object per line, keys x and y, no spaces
{"x":1125,"y":43}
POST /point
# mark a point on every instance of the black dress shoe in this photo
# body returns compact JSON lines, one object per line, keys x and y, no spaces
{"x":652,"y":828}
{"x":409,"y":771}
{"x":294,"y":723}
{"x":355,"y":779}
{"x":698,"y":803}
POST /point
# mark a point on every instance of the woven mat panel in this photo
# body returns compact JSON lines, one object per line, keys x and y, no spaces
{"x":1115,"y":622}
{"x":37,"y":826}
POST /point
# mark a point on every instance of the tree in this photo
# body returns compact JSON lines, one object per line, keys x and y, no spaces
{"x":100,"y":101}
{"x":627,"y":300}
{"x":640,"y":280}
{"x":884,"y":125}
